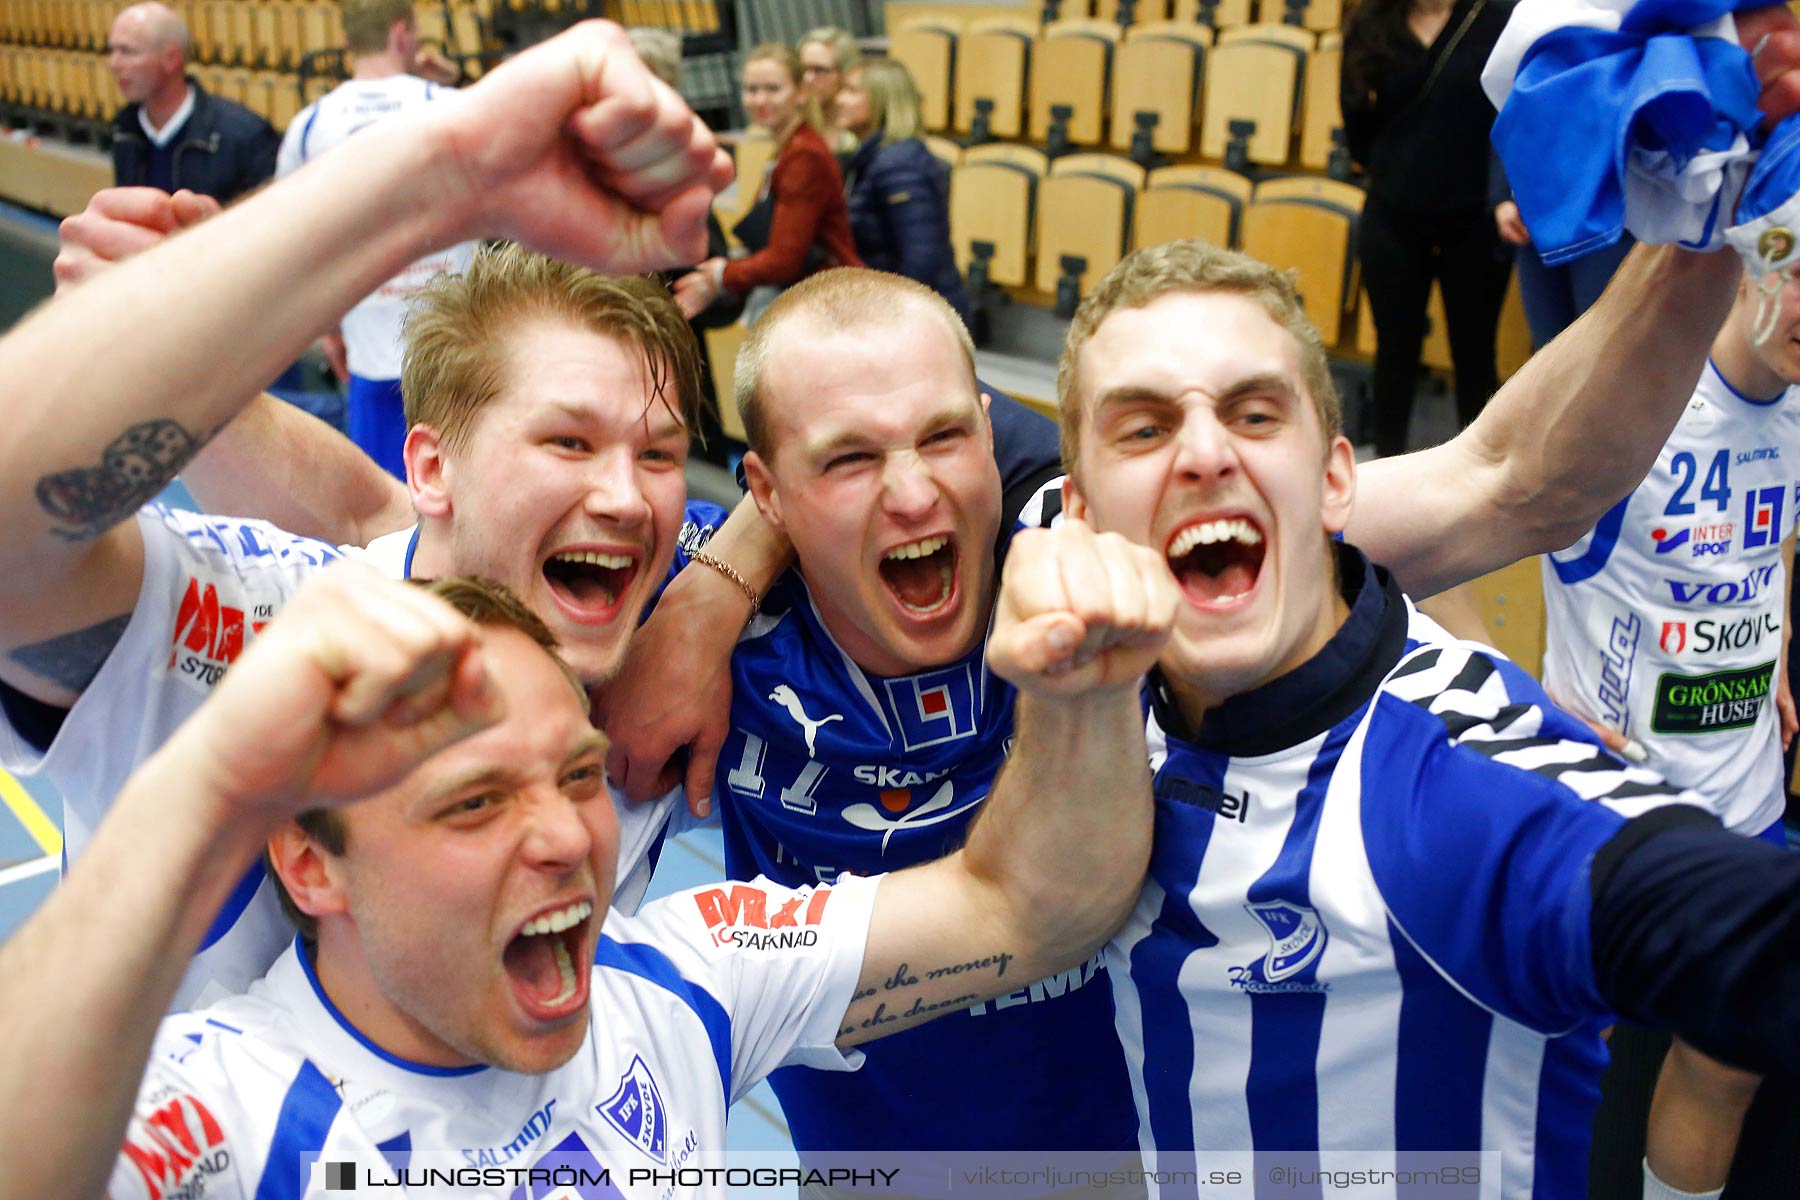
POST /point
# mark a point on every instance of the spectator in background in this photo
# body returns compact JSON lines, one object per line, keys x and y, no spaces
{"x":899,"y":191}
{"x":172,"y":133}
{"x":827,"y":55}
{"x":1417,"y":123}
{"x":800,"y":223}
{"x":385,"y":81}
{"x":1553,"y":296}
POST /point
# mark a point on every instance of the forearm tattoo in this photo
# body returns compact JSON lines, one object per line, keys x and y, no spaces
{"x":88,"y":501}
{"x":73,"y":659}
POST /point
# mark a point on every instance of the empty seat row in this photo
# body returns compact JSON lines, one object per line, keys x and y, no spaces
{"x":76,"y":84}
{"x":265,"y":34}
{"x":1184,"y":87}
{"x":1057,"y":226}
{"x":1220,"y":14}
{"x":72,"y":83}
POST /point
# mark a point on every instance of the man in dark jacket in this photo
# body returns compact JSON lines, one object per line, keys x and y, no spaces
{"x":171,"y":133}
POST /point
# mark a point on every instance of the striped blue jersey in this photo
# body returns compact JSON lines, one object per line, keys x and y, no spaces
{"x":692,"y":1003}
{"x":1365,"y":925}
{"x":830,"y":771}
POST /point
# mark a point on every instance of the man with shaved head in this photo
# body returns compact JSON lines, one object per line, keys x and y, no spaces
{"x":172,"y":133}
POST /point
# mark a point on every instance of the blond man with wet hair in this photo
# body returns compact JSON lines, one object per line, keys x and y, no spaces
{"x":568,"y":488}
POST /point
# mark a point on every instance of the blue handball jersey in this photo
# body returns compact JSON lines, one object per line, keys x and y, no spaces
{"x":830,"y":770}
{"x":1366,"y":922}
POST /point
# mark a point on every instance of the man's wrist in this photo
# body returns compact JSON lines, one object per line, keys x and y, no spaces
{"x":730,"y":573}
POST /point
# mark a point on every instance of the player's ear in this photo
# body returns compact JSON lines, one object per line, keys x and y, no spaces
{"x":1074,"y":503}
{"x":427,"y":472}
{"x":763,"y":489}
{"x":305,"y":873}
{"x":1339,"y":495}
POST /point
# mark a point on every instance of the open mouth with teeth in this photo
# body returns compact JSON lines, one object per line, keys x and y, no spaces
{"x":921,"y":575}
{"x":588,"y":581}
{"x":1217,"y":561}
{"x":547,"y":961}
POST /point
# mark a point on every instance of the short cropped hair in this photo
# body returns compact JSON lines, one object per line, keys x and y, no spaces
{"x":661,"y":51}
{"x":894,"y":106}
{"x":1147,"y":275}
{"x":842,"y":298}
{"x":366,"y":23}
{"x":484,"y":602}
{"x":459,"y":327}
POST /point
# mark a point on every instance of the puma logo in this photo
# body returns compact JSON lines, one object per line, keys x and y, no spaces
{"x":784,"y":696}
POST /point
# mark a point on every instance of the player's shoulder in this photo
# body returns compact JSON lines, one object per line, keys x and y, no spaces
{"x":1044,"y":508}
{"x":243,"y":542}
{"x":1470,"y":704}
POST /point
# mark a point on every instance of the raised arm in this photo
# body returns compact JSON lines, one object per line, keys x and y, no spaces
{"x":1577,"y":428}
{"x":271,"y":461}
{"x":283,"y":465}
{"x":688,"y":638}
{"x":1055,"y":861}
{"x":573,"y":149}
{"x":307,"y":716}
{"x":1581,"y":424}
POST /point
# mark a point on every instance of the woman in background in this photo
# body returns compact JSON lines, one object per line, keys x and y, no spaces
{"x":1417,"y":123}
{"x":800,"y":223}
{"x":899,"y":191}
{"x":827,"y":54}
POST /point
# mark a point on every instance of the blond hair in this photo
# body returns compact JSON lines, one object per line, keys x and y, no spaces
{"x":894,"y":106}
{"x":459,"y":327}
{"x":366,"y":23}
{"x":1147,"y":275}
{"x":781,"y":52}
{"x":485,"y":603}
{"x":844,"y":50}
{"x":840,"y":299}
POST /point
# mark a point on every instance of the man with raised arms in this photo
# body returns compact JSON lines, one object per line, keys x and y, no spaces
{"x":557,"y":398}
{"x":1395,"y":893}
{"x":458,"y":983}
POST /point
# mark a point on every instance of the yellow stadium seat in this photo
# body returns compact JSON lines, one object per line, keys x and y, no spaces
{"x":993,"y":65}
{"x":1307,"y":225}
{"x":1157,"y":70}
{"x":993,"y":196}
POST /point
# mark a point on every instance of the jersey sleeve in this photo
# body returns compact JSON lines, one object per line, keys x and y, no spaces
{"x":782,"y":963}
{"x":209,"y":584}
{"x":1493,"y":807}
{"x":644,"y":829}
{"x":292,"y":154}
{"x":701,"y":520}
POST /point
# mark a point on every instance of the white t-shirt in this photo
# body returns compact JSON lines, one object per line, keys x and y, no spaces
{"x":371,"y":330}
{"x":1665,"y":621}
{"x":242,"y":1099}
{"x":210,"y":583}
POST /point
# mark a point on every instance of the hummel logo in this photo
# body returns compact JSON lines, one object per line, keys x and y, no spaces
{"x":784,"y":696}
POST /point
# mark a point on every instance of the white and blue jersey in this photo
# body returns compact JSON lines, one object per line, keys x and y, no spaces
{"x":372,"y":342}
{"x":210,"y":584}
{"x":830,"y":771}
{"x":1365,"y":925}
{"x":1665,"y":622}
{"x":242,"y":1099}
